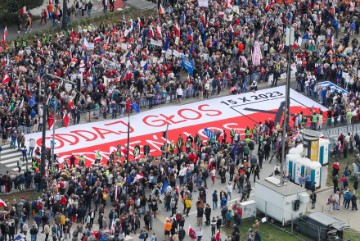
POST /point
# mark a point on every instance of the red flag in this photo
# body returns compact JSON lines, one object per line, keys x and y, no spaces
{"x":50,"y":121}
{"x":192,"y":233}
{"x":66,"y":120}
{"x":3,"y":40}
{"x":72,"y":35}
{"x":23,"y":11}
{"x":217,"y":236}
{"x":6,"y":79}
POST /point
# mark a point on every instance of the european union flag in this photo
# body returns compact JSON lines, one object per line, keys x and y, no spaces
{"x":164,"y":187}
{"x":135,"y":107}
{"x":128,"y":54}
{"x":188,"y":65}
{"x":32,"y":101}
{"x":167,"y":43}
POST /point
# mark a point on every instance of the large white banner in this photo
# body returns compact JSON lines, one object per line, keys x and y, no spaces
{"x":225,"y":113}
{"x":203,"y":3}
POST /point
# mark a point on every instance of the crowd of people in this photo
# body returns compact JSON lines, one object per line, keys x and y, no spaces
{"x":228,"y":45}
{"x":76,"y":196}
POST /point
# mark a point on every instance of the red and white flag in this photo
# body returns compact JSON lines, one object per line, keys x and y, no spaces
{"x":2,"y":203}
{"x":161,"y":10}
{"x":151,"y":32}
{"x":66,"y":120}
{"x":3,"y":40}
{"x":158,"y":30}
{"x":177,"y":30}
{"x":23,"y":11}
{"x":97,"y":39}
{"x":6,"y":79}
{"x":140,"y":24}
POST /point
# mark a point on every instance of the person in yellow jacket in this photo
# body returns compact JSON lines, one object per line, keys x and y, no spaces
{"x":98,"y":156}
{"x":188,"y":204}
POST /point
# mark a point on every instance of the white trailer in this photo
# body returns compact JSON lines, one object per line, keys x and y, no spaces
{"x":282,"y":203}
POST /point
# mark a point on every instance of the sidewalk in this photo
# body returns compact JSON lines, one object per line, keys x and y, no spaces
{"x":346,"y":215}
{"x":96,"y":10}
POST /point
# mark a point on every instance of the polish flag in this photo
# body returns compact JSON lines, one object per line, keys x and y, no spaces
{"x":6,"y":79}
{"x":140,"y":23}
{"x":203,"y":19}
{"x":66,"y":120}
{"x":177,"y":30}
{"x":97,"y":39}
{"x":151,"y":32}
{"x":50,"y":121}
{"x":158,"y":30}
{"x":2,"y":203}
{"x":161,"y":10}
{"x":3,"y":40}
{"x":23,"y":11}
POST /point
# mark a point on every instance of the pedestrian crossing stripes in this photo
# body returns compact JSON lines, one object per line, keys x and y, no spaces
{"x":9,"y":157}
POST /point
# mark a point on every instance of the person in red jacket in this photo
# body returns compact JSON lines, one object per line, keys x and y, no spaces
{"x":43,"y":16}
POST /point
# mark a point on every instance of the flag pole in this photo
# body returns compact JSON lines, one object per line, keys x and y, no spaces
{"x":53,"y":135}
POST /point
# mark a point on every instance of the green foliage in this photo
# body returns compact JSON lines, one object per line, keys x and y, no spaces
{"x":9,"y":9}
{"x":11,"y":6}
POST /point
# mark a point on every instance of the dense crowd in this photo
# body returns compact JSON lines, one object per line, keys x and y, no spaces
{"x":230,"y":45}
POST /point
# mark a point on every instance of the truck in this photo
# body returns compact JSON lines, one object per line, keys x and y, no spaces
{"x":280,"y":201}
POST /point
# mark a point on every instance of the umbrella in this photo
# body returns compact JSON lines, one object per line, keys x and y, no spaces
{"x":2,"y":203}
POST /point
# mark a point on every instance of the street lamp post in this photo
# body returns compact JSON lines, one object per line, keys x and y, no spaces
{"x":44,"y":117}
{"x":289,"y":43}
{"x":65,"y":16}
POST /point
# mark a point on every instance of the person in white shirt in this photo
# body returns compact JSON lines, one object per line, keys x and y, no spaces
{"x":179,"y":93}
{"x":229,"y":190}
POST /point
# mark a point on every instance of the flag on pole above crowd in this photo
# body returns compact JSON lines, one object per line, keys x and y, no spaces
{"x":3,"y":40}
